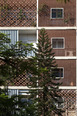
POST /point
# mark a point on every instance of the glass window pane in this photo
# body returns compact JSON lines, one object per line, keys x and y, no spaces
{"x":59,"y":13}
{"x":60,"y":43}
{"x":54,"y":44}
{"x":57,"y":43}
{"x":53,"y":13}
{"x":57,"y":72}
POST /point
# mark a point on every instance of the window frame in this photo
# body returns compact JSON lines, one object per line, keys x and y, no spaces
{"x":63,"y":72}
{"x":56,"y":17}
{"x":58,"y":38}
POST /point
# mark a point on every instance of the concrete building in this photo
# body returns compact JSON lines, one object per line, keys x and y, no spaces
{"x":23,"y":19}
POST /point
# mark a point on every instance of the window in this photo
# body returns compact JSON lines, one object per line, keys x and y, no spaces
{"x":28,"y":38}
{"x":56,"y":13}
{"x":59,"y":72}
{"x":58,"y":43}
{"x":24,"y":92}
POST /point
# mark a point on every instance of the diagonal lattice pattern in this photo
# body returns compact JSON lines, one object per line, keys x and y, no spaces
{"x":69,"y":96}
{"x":18,"y":13}
{"x":69,"y":99}
{"x":69,"y":105}
{"x":19,"y":81}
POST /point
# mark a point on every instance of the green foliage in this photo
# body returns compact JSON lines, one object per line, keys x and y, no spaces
{"x":12,"y":58}
{"x":45,"y":85}
{"x":13,"y":63}
{"x":21,"y":15}
{"x":14,"y":106}
{"x":43,"y":10}
{"x":64,"y":0}
{"x":4,"y":41}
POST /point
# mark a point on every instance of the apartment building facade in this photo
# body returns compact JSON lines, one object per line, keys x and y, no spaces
{"x":23,"y":19}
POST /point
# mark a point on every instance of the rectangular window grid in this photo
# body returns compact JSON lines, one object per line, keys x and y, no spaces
{"x":56,"y":13}
{"x":59,"y":72}
{"x":58,"y":43}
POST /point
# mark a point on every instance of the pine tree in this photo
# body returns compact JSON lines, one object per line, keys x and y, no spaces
{"x":44,"y":83}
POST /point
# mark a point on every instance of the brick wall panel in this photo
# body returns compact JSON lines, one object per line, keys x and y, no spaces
{"x":69,"y":72}
{"x":70,"y":41}
{"x":69,"y":13}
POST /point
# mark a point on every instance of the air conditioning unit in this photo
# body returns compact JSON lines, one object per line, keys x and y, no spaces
{"x":68,"y":53}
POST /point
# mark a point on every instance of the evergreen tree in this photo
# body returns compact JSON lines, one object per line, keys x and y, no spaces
{"x":15,"y":106}
{"x":44,"y":83}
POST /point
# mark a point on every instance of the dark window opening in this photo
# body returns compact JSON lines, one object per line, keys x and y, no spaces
{"x":57,"y":72}
{"x":58,"y":43}
{"x":57,"y":13}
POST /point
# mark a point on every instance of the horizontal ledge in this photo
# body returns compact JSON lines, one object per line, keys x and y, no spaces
{"x":56,"y":57}
{"x":15,"y":87}
{"x":18,"y":28}
{"x":66,"y":58}
{"x":67,"y":87}
{"x":58,"y":28}
{"x":19,"y":87}
{"x":38,"y":28}
{"x":26,"y":88}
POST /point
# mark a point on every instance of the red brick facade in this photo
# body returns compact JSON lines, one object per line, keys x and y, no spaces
{"x":69,"y":41}
{"x":69,"y":66}
{"x":23,"y":13}
{"x":69,"y":13}
{"x":9,"y":18}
